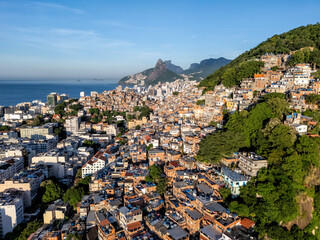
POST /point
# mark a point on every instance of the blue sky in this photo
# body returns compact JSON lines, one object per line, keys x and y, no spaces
{"x":85,"y":39}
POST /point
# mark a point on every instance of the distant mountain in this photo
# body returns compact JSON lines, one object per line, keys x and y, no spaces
{"x":199,"y":71}
{"x":168,"y":72}
{"x":160,"y":73}
{"x":174,"y":68}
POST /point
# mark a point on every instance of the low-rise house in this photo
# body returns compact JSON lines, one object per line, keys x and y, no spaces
{"x":193,"y":218}
{"x":210,"y":233}
{"x":233,"y":180}
{"x":251,"y":163}
{"x":130,"y":220}
{"x":56,"y":211}
{"x":301,"y":129}
{"x":156,"y":156}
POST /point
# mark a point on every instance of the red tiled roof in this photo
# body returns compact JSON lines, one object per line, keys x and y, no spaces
{"x":247,"y":223}
{"x":134,"y":225}
{"x":175,"y":164}
{"x":104,"y":222}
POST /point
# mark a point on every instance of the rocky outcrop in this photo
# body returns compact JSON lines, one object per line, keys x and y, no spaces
{"x":160,"y":73}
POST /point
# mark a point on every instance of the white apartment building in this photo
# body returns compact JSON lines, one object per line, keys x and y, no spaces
{"x":10,"y":166}
{"x":302,"y":80}
{"x":111,"y":129}
{"x":96,"y":163}
{"x":72,"y":125}
{"x":11,"y":211}
{"x":36,"y":132}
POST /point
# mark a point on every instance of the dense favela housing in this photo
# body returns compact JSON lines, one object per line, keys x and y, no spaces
{"x":162,"y":161}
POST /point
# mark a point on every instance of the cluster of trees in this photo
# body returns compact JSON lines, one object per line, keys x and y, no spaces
{"x":316,"y":74}
{"x":23,"y":231}
{"x":74,"y":194}
{"x":74,"y":236}
{"x":305,"y":56}
{"x":52,"y":191}
{"x":233,"y":76}
{"x":38,"y":120}
{"x":313,"y":98}
{"x":60,"y":131}
{"x":270,"y":198}
{"x":156,"y":176}
{"x":59,"y":109}
{"x":5,"y":128}
{"x":201,"y":102}
{"x":75,"y":108}
{"x":144,"y":111}
{"x":108,"y":116}
{"x":305,"y":36}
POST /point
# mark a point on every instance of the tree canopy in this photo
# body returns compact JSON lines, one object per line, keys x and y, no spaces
{"x":52,"y":191}
{"x":156,"y":176}
{"x":271,"y":198}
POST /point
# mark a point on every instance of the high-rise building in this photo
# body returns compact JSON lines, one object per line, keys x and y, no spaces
{"x":63,"y":97}
{"x":72,"y":124}
{"x":11,"y":211}
{"x":52,"y":99}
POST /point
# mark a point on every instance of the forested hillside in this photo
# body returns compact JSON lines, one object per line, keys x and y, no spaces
{"x":274,"y":198}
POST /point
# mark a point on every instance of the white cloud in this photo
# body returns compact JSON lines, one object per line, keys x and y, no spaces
{"x":46,"y":5}
{"x":67,"y":39}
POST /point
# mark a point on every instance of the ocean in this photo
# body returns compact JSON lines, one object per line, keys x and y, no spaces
{"x":13,"y":92}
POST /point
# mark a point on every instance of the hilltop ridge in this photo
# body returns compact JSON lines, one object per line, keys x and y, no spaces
{"x":166,"y":71}
{"x":301,"y":37}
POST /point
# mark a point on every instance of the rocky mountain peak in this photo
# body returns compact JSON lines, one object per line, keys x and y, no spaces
{"x":159,"y":63}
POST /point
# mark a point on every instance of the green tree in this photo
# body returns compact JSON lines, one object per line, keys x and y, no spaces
{"x":38,"y":121}
{"x":273,"y":95}
{"x":79,"y":173}
{"x":74,"y":236}
{"x":5,"y":128}
{"x":94,"y":111}
{"x":201,"y":102}
{"x":271,"y":198}
{"x":175,"y":93}
{"x":92,"y":144}
{"x":225,"y":193}
{"x":315,"y":114}
{"x":76,"y":107}
{"x":59,"y":109}
{"x":156,"y":176}
{"x":31,"y":228}
{"x":161,"y":186}
{"x":138,"y":127}
{"x":52,"y":191}
{"x":73,"y":196}
{"x":149,"y":147}
{"x":225,"y":144}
